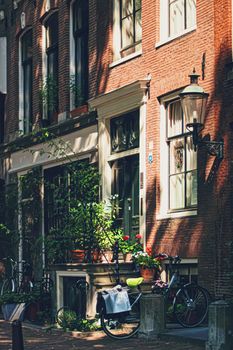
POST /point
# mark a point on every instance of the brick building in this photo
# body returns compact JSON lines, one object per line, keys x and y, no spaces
{"x":106,"y":76}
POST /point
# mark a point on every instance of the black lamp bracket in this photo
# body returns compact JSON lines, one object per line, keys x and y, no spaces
{"x":214,"y":148}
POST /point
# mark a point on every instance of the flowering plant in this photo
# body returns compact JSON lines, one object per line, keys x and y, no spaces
{"x":144,"y":259}
{"x":129,"y":244}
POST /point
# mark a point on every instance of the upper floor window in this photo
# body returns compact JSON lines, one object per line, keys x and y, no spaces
{"x":26,"y":61}
{"x":176,"y":17}
{"x":51,"y":79}
{"x":127,"y":28}
{"x":79,"y":75}
{"x":182,"y":161}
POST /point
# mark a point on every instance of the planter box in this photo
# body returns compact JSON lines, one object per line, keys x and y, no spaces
{"x":13,"y":312}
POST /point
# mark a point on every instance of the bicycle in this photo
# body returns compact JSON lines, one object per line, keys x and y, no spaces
{"x":65,"y":314}
{"x":190,"y":302}
{"x":17,"y":281}
{"x":121,"y":325}
{"x":124,"y":325}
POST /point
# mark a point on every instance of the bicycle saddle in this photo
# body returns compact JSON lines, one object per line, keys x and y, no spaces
{"x":134,"y":282}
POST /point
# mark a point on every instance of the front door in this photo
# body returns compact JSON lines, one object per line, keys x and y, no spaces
{"x":125,"y":184}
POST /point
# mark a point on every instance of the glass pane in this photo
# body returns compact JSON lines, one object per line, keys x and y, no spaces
{"x":177,"y":192}
{"x":52,"y":31}
{"x":127,"y":8}
{"x":177,"y":156}
{"x":77,"y":11}
{"x":174,"y":120}
{"x":27,"y":46}
{"x":125,"y":132}
{"x":190,"y":13}
{"x":176,"y":14}
{"x":27,"y":95}
{"x":191,"y":183}
{"x":135,"y":189}
{"x":138,"y":26}
{"x":127,"y":31}
{"x":137,"y":4}
{"x":191,"y":155}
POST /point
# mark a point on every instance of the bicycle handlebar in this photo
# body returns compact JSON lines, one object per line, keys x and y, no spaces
{"x":173,"y":259}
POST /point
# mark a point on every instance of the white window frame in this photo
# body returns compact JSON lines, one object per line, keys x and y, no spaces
{"x":116,"y":41}
{"x":21,"y":84}
{"x":164,"y":167}
{"x":164,"y":25}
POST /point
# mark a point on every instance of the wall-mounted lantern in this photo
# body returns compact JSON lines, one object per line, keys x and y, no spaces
{"x":193,"y":101}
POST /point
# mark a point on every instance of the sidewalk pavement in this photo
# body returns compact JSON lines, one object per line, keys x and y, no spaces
{"x":39,"y":338}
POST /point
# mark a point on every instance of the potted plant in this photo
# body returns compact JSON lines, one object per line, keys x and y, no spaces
{"x":148,"y":265}
{"x":14,"y":304}
{"x":129,"y":245}
{"x":77,"y":99}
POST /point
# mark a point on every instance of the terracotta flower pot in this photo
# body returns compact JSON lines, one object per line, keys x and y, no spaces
{"x":77,"y":255}
{"x":147,"y":273}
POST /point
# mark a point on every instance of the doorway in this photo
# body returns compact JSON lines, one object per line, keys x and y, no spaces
{"x":125,"y":184}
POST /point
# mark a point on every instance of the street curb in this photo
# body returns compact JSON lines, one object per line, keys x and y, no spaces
{"x":182,"y":339}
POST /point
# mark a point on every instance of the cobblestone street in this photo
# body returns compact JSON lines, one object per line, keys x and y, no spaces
{"x":40,"y":339}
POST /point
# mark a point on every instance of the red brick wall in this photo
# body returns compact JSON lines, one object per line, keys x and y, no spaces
{"x":208,"y":235}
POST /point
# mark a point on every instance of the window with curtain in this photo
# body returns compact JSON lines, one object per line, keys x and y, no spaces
{"x":79,"y":83}
{"x":51,"y":81}
{"x":182,"y":161}
{"x":182,"y":15}
{"x":130,"y":25}
{"x":26,"y":59}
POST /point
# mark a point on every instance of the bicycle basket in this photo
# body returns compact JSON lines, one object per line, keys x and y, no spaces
{"x":113,"y":301}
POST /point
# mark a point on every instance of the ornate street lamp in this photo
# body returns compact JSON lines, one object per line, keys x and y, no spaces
{"x":193,"y":101}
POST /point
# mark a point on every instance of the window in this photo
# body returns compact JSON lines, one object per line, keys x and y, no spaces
{"x":176,"y":17}
{"x":125,"y":132}
{"x":79,"y":81}
{"x":61,"y":191}
{"x":182,"y":161}
{"x":182,"y":15}
{"x":127,"y":27}
{"x":26,"y":59}
{"x":51,"y":81}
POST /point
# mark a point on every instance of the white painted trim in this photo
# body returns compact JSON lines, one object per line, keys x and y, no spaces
{"x":59,"y":285}
{"x":171,"y":38}
{"x":164,"y":171}
{"x":82,"y":142}
{"x":125,"y":59}
{"x":179,"y":214}
{"x":21,"y":84}
{"x":164,"y":26}
{"x":116,"y":37}
{"x":112,"y":104}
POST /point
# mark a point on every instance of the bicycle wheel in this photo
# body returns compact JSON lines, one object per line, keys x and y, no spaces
{"x":190,"y":305}
{"x":66,"y":318}
{"x":125,"y":324}
{"x":8,"y":286}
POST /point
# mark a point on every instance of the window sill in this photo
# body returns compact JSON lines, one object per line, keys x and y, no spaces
{"x":125,"y":59}
{"x":174,"y":37}
{"x":174,"y":215}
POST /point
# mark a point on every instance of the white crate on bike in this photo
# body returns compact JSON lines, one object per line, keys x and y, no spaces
{"x":116,"y":300}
